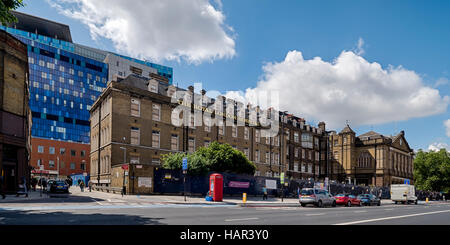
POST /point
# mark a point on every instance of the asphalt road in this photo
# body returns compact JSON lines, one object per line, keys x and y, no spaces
{"x":151,"y":214}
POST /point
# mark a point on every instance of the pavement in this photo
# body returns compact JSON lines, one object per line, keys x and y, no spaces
{"x":99,"y":197}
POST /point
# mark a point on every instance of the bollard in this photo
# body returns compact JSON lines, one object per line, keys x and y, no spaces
{"x":244,"y":197}
{"x":426,"y":200}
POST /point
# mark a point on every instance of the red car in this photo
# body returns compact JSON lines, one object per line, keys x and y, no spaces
{"x":347,"y":200}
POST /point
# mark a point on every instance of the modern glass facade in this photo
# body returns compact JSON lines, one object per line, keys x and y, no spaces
{"x":65,"y":80}
{"x":63,"y":86}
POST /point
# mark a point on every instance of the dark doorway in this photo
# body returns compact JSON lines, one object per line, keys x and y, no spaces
{"x":10,"y":177}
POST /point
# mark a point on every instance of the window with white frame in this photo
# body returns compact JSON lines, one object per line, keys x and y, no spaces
{"x":257,"y":156}
{"x":246,"y":152}
{"x":40,"y":149}
{"x":296,"y":137}
{"x":221,"y":129}
{"x":257,"y":135}
{"x":207,"y":124}
{"x":267,"y":157}
{"x":191,"y":145}
{"x":135,"y":136}
{"x":51,"y":150}
{"x":156,"y":112}
{"x":135,"y":107}
{"x":174,"y":142}
{"x":246,"y":133}
{"x":155,"y":139}
{"x":296,"y":152}
{"x":295,"y":166}
{"x":235,"y":131}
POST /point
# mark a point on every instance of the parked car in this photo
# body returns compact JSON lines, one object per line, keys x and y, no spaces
{"x":58,"y":187}
{"x":369,"y":199}
{"x":316,"y":197}
{"x":347,"y":200}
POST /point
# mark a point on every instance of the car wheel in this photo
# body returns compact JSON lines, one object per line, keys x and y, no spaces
{"x":360,"y":204}
{"x":349,"y":204}
{"x":334,"y":204}
{"x":415,"y":202}
{"x":368,"y":204}
{"x":320,"y":204}
{"x":379,"y":204}
{"x":303,"y":205}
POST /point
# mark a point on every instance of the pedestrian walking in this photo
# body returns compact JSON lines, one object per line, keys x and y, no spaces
{"x":81,"y":186}
{"x":44,"y":184}
{"x":264,"y":189}
{"x":33,"y":183}
{"x":90,"y":186}
{"x":1,"y":187}
{"x":23,"y":187}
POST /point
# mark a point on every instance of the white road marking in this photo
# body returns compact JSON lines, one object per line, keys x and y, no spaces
{"x":230,"y":220}
{"x":314,"y":214}
{"x":388,"y":209}
{"x":362,"y":211}
{"x":393,"y":217}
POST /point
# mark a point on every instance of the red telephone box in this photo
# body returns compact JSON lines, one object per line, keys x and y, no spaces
{"x":216,"y":187}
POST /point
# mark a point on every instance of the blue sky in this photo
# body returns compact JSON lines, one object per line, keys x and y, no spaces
{"x":411,"y":34}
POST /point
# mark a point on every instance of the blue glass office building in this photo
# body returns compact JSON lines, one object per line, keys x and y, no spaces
{"x":65,"y":78}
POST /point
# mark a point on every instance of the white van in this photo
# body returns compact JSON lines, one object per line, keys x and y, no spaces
{"x":403,"y":193}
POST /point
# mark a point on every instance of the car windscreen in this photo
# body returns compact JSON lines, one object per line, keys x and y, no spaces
{"x":307,"y":192}
{"x":340,"y":195}
{"x":60,"y":183}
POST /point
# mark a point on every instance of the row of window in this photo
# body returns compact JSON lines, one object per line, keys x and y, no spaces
{"x":156,"y":116}
{"x":62,"y":165}
{"x":62,"y":68}
{"x":62,"y":151}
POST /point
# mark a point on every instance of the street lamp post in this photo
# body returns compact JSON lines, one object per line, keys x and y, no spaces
{"x":124,"y":161}
{"x":282,"y":152}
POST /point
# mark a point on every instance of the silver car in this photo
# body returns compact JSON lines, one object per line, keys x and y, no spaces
{"x":316,"y":197}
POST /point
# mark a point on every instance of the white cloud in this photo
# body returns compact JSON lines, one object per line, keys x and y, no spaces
{"x":438,"y":146}
{"x":348,"y":88}
{"x":194,"y":31}
{"x":359,"y":47}
{"x":441,"y":81}
{"x":447,"y":127}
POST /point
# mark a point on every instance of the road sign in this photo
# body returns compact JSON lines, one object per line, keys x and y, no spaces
{"x":185,"y":163}
{"x":125,"y":166}
{"x":406,"y":182}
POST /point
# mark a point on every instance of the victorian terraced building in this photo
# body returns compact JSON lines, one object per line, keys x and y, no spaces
{"x":132,"y":123}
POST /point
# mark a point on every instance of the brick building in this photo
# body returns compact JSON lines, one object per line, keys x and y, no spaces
{"x":59,"y":159}
{"x":132,"y":123}
{"x":15,"y":115}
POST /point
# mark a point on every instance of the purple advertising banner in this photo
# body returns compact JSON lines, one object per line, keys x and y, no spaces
{"x":237,"y":184}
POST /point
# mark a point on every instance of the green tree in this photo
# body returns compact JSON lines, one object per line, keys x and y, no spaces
{"x":7,"y":5}
{"x":217,"y":157}
{"x":432,"y":170}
